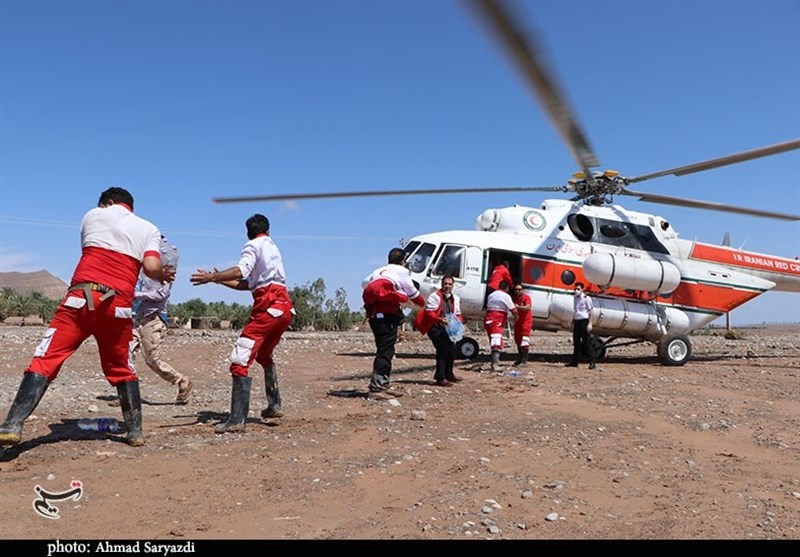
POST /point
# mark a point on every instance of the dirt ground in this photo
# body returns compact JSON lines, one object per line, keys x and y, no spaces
{"x":632,"y":450}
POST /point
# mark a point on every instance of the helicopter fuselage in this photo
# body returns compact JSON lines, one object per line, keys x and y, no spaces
{"x":645,"y":281}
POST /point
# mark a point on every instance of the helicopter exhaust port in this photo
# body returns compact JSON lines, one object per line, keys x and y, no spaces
{"x":604,"y":269}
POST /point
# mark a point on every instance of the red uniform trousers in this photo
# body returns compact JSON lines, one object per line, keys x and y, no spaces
{"x":522,"y":329}
{"x":271,"y":315}
{"x":108,"y":323}
{"x":494,"y":322}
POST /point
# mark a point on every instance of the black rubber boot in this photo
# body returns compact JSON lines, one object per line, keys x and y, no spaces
{"x":523,"y":356}
{"x":495,"y":360}
{"x":273,"y":409}
{"x":240,"y":406}
{"x":131,"y":401}
{"x":30,"y":392}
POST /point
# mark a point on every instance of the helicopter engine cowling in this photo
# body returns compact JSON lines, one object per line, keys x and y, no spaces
{"x":605,"y":269}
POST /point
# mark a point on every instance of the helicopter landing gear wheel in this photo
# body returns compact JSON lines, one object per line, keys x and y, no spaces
{"x":467,"y":348}
{"x":674,"y":350}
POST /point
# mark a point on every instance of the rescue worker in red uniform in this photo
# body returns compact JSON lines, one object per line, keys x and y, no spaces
{"x":523,"y":325}
{"x":260,"y":270}
{"x":498,"y":307}
{"x":385,"y":290}
{"x":116,"y":245}
{"x":500,"y":273}
{"x":433,"y":321}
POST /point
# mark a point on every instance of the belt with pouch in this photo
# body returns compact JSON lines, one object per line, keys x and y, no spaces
{"x":89,"y":287}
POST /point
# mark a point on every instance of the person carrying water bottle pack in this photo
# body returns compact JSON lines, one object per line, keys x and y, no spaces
{"x":150,"y":320}
{"x":442,"y":311}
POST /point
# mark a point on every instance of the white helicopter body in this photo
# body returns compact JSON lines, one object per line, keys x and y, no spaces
{"x":646,"y":282}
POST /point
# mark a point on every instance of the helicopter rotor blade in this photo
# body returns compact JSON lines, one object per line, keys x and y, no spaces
{"x":722,"y":161}
{"x":683,"y":202}
{"x":375,"y":193}
{"x":522,"y":46}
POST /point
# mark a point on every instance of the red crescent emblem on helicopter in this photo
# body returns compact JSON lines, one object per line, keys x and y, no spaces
{"x":534,"y":220}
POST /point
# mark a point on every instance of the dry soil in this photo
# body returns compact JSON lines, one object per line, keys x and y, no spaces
{"x":632,"y":450}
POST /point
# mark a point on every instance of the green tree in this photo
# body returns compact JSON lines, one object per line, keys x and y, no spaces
{"x":340,"y":311}
{"x":312,"y":309}
{"x":239,"y":315}
{"x":26,"y":305}
{"x":43,"y":307}
{"x":191,"y":308}
{"x":7,"y":302}
{"x":47,"y":309}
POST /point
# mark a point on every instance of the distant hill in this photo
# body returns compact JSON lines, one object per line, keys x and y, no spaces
{"x":40,"y":281}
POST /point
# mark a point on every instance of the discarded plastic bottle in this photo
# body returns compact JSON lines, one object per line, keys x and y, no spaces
{"x":110,"y":425}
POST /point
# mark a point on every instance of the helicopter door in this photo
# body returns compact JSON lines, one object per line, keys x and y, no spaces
{"x":494,"y":257}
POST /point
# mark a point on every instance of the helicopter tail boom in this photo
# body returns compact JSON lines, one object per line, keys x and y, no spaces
{"x":784,"y":272}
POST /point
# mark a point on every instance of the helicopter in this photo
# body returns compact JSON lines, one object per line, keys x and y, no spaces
{"x":647,"y":283}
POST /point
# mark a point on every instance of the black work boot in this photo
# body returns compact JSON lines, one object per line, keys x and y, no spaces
{"x":30,"y":392}
{"x":131,"y":401}
{"x":495,"y":360}
{"x":240,"y":406}
{"x":273,"y":409}
{"x":523,"y":356}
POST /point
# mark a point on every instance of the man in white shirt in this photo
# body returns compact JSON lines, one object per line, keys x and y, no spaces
{"x":115,"y":245}
{"x":260,"y":270}
{"x":581,"y":327}
{"x":386,"y":289}
{"x":433,"y":321}
{"x":499,"y":306}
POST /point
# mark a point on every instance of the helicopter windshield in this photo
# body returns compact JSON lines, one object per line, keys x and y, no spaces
{"x":418,"y":256}
{"x":451,"y":262}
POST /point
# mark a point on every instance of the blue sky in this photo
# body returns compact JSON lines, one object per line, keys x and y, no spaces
{"x":183,"y":101}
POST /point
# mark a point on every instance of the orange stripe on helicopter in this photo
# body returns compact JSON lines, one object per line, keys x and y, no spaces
{"x":691,"y":295}
{"x":748,"y":260}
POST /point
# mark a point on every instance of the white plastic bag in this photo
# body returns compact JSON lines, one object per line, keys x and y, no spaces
{"x":454,"y":327}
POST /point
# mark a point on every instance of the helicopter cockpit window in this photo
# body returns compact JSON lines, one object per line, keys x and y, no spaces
{"x":629,"y":235}
{"x":581,"y":226}
{"x":418,"y":261}
{"x":410,"y":247}
{"x":611,"y":231}
{"x":451,"y":262}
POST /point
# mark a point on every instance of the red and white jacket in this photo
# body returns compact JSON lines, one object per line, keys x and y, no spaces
{"x":114,"y":243}
{"x":434,"y":309}
{"x":387,"y":288}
